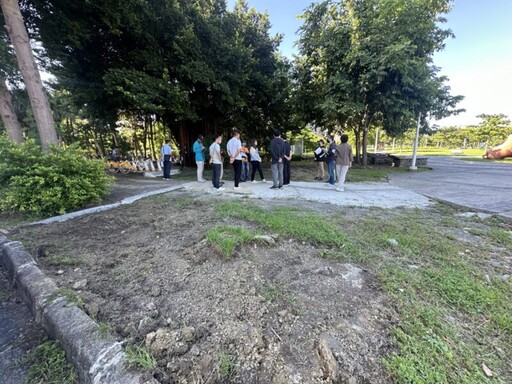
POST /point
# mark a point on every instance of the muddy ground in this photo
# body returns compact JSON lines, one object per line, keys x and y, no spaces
{"x":272,"y":313}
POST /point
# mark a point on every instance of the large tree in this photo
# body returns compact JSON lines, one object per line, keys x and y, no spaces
{"x":27,"y":65}
{"x":195,"y":66}
{"x":371,"y":61}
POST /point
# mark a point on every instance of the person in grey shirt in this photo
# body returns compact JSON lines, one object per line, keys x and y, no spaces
{"x":343,"y":161}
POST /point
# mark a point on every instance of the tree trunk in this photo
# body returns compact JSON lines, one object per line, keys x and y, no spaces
{"x":12,"y":125}
{"x":357,"y":135}
{"x":28,"y":68}
{"x":154,"y":156}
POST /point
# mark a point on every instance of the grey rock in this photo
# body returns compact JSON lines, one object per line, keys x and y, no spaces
{"x":80,"y":284}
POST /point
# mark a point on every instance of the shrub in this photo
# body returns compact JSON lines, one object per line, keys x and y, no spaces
{"x":47,"y":184}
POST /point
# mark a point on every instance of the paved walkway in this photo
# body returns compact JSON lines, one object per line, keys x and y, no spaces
{"x":482,"y":186}
{"x":380,"y":195}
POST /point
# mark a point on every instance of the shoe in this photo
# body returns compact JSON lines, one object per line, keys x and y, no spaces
{"x":263,"y":180}
{"x":340,"y":189}
{"x":201,"y":181}
{"x":273,"y":187}
{"x":317,"y":178}
{"x":237,"y":188}
{"x":221,"y":189}
{"x":221,"y":183}
{"x":254,"y":182}
{"x":280,"y":187}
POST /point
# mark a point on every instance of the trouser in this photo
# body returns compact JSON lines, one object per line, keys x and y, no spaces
{"x":277,"y":174}
{"x":245,"y":171}
{"x":200,"y":169}
{"x":320,"y":170}
{"x":167,"y":166}
{"x":331,"y":165}
{"x":341,"y":170}
{"x":237,"y":166}
{"x":256,"y":166}
{"x":216,"y":169}
{"x":286,"y":172}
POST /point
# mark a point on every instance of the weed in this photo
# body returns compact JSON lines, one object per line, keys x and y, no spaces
{"x":227,"y":366}
{"x":226,"y":239}
{"x":184,"y":202}
{"x":48,"y":364}
{"x":139,"y":357}
{"x":71,"y":296}
{"x":64,"y":261}
{"x":103,"y":328}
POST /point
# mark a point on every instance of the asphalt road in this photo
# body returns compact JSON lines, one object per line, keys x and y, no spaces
{"x":482,"y":186}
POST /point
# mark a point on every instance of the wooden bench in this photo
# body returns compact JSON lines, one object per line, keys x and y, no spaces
{"x":406,"y":161}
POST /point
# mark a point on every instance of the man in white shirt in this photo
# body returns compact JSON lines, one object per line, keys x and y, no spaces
{"x":216,"y":159}
{"x":234,"y":148}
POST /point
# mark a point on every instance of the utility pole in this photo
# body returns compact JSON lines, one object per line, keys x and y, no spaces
{"x":415,"y":145}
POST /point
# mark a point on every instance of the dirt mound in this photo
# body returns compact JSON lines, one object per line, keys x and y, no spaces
{"x":274,"y":313}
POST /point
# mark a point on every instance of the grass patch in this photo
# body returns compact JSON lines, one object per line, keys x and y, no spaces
{"x":225,"y":239}
{"x":432,"y":278}
{"x":184,"y":202}
{"x":139,"y":357}
{"x":71,"y":296}
{"x":48,"y":365}
{"x":300,"y":224}
{"x":227,"y":366}
{"x":64,"y":261}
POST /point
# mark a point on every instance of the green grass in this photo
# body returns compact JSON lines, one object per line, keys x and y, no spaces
{"x":226,"y":238}
{"x":300,"y":224}
{"x":227,"y":366}
{"x":71,"y":296}
{"x":64,"y":261}
{"x":431,"y":282}
{"x":454,"y":316}
{"x":139,"y":357}
{"x":48,"y":365}
{"x":429,"y":151}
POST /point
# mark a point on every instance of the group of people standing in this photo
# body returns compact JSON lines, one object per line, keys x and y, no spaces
{"x":337,"y":157}
{"x":239,"y":157}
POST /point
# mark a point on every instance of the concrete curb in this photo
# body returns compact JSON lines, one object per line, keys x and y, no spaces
{"x":97,"y":358}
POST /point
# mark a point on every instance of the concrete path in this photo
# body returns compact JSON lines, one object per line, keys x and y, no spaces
{"x":380,"y":195}
{"x":482,"y":186}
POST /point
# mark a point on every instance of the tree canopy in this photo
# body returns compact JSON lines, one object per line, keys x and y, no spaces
{"x":371,"y":61}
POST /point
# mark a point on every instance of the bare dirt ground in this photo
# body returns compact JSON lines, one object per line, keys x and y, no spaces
{"x":274,"y":313}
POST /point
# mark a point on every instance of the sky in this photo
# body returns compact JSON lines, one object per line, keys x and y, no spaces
{"x":477,"y":62}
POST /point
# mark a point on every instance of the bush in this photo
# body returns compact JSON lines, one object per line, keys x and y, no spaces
{"x":47,"y":184}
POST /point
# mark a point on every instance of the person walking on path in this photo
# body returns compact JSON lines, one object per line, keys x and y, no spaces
{"x":198,"y":149}
{"x":255,"y":161}
{"x":343,"y":161}
{"x":286,"y":161}
{"x":166,"y":159}
{"x":277,"y":152}
{"x":234,"y":148}
{"x":331,"y":160}
{"x":216,"y":161}
{"x":320,"y":157}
